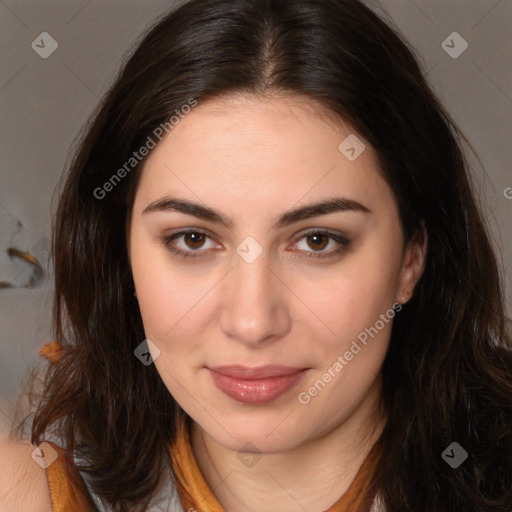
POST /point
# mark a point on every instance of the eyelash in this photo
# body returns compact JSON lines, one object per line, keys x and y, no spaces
{"x":344,"y":243}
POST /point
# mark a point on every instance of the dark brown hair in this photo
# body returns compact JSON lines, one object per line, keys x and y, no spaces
{"x":447,"y":375}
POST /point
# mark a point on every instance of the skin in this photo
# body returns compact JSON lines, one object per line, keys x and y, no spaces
{"x":23,"y":483}
{"x":253,"y":159}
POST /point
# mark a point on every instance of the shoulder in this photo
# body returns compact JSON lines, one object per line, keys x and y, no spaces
{"x":23,"y":482}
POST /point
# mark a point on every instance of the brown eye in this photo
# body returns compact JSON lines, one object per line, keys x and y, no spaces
{"x":188,"y":243}
{"x":314,"y":242}
{"x":194,"y":240}
{"x":318,"y":241}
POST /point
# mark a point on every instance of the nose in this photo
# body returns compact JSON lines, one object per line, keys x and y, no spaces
{"x":255,"y":308}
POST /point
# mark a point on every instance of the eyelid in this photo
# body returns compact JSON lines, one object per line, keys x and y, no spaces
{"x":335,"y":235}
{"x":340,"y":238}
{"x":178,"y":234}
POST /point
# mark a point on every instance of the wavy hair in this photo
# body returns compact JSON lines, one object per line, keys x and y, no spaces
{"x":447,"y":376}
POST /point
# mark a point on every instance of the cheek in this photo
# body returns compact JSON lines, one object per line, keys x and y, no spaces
{"x":166,"y":296}
{"x":350,"y":298}
{"x":169,"y":302}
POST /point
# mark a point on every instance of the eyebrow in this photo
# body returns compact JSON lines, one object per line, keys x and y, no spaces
{"x":331,"y":205}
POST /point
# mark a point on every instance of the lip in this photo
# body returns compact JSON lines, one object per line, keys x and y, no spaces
{"x":255,"y":385}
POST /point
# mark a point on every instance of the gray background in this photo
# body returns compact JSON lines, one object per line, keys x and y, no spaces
{"x":44,"y":103}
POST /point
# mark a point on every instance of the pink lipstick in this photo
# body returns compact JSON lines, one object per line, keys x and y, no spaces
{"x":255,"y":385}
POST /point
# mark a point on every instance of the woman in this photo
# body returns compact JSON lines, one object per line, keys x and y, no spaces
{"x":274,"y":287}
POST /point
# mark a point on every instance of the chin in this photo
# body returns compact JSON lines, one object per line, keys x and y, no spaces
{"x":269,"y":431}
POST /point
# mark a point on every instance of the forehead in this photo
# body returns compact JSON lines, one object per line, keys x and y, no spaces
{"x":274,"y":120}
{"x":251,"y":149}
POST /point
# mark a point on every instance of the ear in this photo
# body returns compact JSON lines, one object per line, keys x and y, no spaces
{"x":413,"y":264}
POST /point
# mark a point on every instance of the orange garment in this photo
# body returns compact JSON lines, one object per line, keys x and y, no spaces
{"x":67,"y":489}
{"x":195,"y":494}
{"x":69,"y":494}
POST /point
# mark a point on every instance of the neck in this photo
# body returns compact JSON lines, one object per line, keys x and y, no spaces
{"x":312,"y":476}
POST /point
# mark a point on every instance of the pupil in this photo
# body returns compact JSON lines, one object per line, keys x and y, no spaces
{"x":316,"y":238}
{"x":196,"y":238}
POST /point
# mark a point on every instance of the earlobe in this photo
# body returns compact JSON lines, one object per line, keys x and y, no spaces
{"x":413,"y":265}
{"x":403,"y":298}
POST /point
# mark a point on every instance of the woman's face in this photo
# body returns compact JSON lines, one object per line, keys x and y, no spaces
{"x":269,"y":280}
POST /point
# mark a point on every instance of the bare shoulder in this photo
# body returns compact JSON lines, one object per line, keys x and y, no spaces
{"x":23,"y":484}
